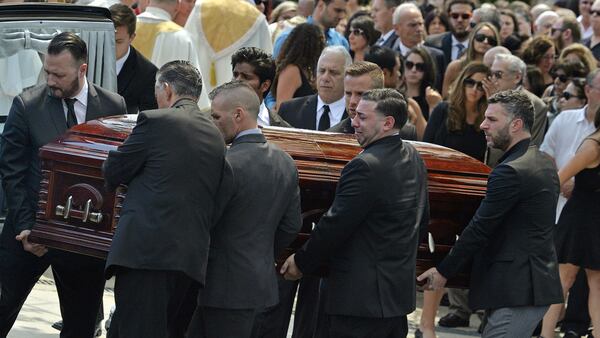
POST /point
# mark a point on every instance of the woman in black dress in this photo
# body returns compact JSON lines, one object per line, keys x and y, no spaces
{"x":455,"y":124}
{"x":578,"y":229}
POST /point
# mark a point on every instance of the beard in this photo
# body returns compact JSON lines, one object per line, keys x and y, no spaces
{"x":501,"y":140}
{"x":71,"y":90}
{"x":460,"y":35}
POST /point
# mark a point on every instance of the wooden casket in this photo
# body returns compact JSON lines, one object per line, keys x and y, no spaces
{"x":76,"y":213}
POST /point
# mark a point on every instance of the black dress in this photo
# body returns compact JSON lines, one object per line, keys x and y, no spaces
{"x":578,"y":230}
{"x":469,"y":140}
{"x":305,"y":88}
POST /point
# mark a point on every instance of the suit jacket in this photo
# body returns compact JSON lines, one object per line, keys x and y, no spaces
{"x":136,"y":81}
{"x":261,"y":212}
{"x":276,"y":121}
{"x":370,"y":234}
{"x":172,"y":162}
{"x":391,"y":41}
{"x":408,"y":131}
{"x":440,"y":65}
{"x":301,"y":112}
{"x":540,"y":119}
{"x":36,"y":118}
{"x":511,"y":235}
{"x":443,"y":42}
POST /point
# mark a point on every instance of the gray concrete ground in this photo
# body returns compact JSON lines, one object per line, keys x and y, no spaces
{"x":41,"y":310}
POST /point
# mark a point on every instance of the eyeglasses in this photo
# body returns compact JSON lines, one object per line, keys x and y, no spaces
{"x":472,"y":83}
{"x":554,"y":30}
{"x":595,"y":12}
{"x":464,"y":16}
{"x":479,"y":37}
{"x":567,"y":96}
{"x":472,"y":24}
{"x":357,"y":31}
{"x":419,"y":66}
{"x":258,"y":2}
{"x":497,"y":74}
{"x":561,"y":77}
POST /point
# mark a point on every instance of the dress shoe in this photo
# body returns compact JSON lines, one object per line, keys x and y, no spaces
{"x":59,"y":325}
{"x":452,"y":320}
{"x":571,"y":334}
{"x":418,"y":333}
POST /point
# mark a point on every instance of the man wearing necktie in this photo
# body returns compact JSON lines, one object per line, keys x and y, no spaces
{"x":38,"y":116}
{"x":328,"y":107}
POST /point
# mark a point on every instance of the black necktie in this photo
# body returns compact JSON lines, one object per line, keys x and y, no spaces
{"x":324,"y":122}
{"x":71,"y":118}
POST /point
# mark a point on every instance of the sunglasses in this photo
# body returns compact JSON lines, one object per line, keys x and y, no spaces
{"x":567,"y":96}
{"x":464,"y":16}
{"x":562,"y":78}
{"x":470,"y":83}
{"x":419,"y":66}
{"x":357,"y":31}
{"x":479,"y":37}
{"x":595,"y":12}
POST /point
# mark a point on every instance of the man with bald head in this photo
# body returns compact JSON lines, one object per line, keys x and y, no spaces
{"x":258,"y":216}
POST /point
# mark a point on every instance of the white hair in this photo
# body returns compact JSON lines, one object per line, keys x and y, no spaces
{"x":340,"y":50}
{"x":401,"y":9}
{"x":545,"y":17}
{"x":515,"y":64}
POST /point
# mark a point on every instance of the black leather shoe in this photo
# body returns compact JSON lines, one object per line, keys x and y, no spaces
{"x":58,"y":325}
{"x":452,"y":320}
{"x":418,"y":333}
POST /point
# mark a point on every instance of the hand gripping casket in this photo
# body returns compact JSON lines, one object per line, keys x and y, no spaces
{"x":76,"y":213}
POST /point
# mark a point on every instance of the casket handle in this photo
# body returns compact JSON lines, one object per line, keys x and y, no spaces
{"x":64,"y":211}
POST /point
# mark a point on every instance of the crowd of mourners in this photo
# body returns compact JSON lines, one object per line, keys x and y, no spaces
{"x":309,"y":63}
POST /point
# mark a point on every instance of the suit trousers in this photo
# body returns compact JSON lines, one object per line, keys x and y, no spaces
{"x":211,"y":322}
{"x":361,"y":327}
{"x":152,"y":303}
{"x":459,"y":302}
{"x":79,"y":283}
{"x":513,"y":322}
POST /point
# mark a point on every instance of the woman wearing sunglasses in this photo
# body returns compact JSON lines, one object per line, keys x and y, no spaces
{"x":455,"y":124}
{"x":419,"y":76}
{"x":573,"y":97}
{"x":361,"y":35}
{"x":562,"y":73}
{"x":483,"y":37}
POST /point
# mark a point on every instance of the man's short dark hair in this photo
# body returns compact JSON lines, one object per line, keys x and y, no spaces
{"x":263,"y":63}
{"x":70,"y":42}
{"x":455,"y":2}
{"x":384,"y":57}
{"x":573,"y":25}
{"x":183,"y":77}
{"x":122,"y":15}
{"x":389,"y":102}
{"x":517,"y":104}
{"x":239,"y":94}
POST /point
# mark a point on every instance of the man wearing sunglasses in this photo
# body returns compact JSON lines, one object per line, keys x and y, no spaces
{"x":454,"y":42}
{"x":565,"y":31}
{"x":593,"y":42}
{"x":507,"y":73}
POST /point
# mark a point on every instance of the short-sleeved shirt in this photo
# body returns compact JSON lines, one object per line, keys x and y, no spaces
{"x":331,"y":35}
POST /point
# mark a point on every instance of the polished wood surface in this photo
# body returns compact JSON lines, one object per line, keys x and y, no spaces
{"x":72,"y":168}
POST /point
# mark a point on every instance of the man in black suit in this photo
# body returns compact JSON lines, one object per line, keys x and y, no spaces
{"x":135,"y":73}
{"x":259,"y":217}
{"x":455,"y":41}
{"x":369,"y":236}
{"x":514,"y":276}
{"x":326,"y":108}
{"x":359,"y":78}
{"x":410,"y":28}
{"x":382,"y":12}
{"x":38,"y":116}
{"x":172,"y":163}
{"x":256,"y":68}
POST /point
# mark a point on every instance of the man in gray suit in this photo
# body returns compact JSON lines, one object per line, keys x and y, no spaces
{"x":173,"y":163}
{"x":259,"y":216}
{"x":38,"y":116}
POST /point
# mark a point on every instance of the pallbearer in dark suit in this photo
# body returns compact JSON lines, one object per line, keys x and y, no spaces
{"x":173,"y":163}
{"x":256,"y":68}
{"x":510,"y":239}
{"x":38,"y":116}
{"x":135,"y":73}
{"x":259,"y":217}
{"x":370,"y":234}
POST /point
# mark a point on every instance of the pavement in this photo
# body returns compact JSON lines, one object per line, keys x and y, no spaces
{"x":42,"y":309}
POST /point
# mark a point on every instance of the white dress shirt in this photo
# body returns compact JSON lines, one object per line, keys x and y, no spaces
{"x":80,"y":106}
{"x":263,"y":115}
{"x":564,"y":138}
{"x":384,"y":38}
{"x":399,"y":46}
{"x":336,"y":110}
